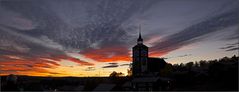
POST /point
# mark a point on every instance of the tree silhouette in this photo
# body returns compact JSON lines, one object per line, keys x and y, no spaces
{"x":115,"y":74}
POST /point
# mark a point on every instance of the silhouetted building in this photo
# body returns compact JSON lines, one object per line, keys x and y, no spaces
{"x":142,"y":64}
{"x":146,"y":70}
{"x":140,"y":58}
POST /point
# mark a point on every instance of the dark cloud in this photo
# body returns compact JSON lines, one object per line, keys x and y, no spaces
{"x":14,"y":41}
{"x":102,"y":26}
{"x":105,"y":25}
{"x":40,"y":33}
{"x":179,"y":56}
{"x":237,"y":43}
{"x":54,"y":73}
{"x":113,"y":63}
{"x":125,"y":65}
{"x":196,"y":32}
{"x":90,"y":69}
{"x":110,"y":66}
{"x":185,"y":55}
{"x":231,"y":47}
{"x":228,"y":47}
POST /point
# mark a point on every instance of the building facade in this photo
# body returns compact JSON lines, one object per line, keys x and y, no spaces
{"x":140,"y":58}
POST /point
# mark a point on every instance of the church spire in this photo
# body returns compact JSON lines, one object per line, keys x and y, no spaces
{"x":140,"y":40}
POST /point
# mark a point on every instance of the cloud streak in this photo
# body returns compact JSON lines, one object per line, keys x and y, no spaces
{"x":110,"y":66}
{"x":231,"y":47}
{"x":195,"y":32}
{"x":108,"y":54}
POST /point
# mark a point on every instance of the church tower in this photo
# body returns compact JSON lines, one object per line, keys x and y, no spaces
{"x":140,"y":57}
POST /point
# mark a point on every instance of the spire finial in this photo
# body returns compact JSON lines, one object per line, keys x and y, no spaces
{"x":140,"y":40}
{"x":140,"y":30}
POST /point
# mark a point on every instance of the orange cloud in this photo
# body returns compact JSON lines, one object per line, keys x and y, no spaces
{"x":33,"y":66}
{"x":31,"y":70}
{"x":157,"y":53}
{"x":78,"y":61}
{"x":13,"y":68}
{"x":108,"y":54}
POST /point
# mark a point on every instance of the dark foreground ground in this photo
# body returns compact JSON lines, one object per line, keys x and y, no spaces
{"x":88,"y":84}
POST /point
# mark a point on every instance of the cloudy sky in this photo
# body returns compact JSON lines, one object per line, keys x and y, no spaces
{"x":95,"y":37}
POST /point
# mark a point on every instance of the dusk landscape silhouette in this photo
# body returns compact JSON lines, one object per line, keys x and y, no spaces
{"x":119,"y":45}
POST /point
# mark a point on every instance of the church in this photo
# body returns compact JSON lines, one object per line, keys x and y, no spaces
{"x":146,"y":71}
{"x":144,"y":65}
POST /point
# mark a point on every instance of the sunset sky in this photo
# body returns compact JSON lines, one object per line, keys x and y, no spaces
{"x":95,"y":37}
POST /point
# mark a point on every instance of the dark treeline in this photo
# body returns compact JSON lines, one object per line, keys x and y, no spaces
{"x":221,"y":74}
